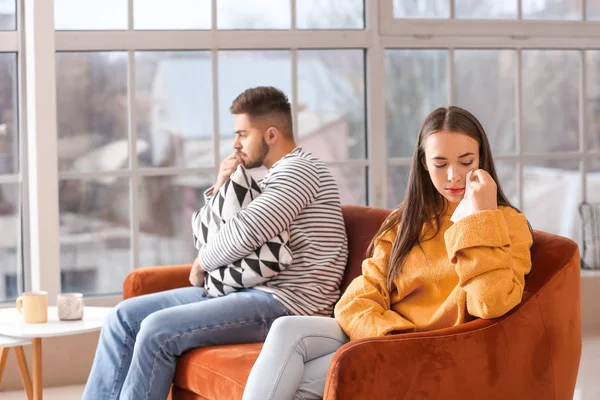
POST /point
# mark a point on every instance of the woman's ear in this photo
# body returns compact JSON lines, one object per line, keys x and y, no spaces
{"x":424,"y":163}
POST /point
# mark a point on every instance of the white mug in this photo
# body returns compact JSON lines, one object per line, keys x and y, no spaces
{"x":70,"y":306}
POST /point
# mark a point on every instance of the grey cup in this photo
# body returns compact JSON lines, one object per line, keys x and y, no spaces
{"x":70,"y":306}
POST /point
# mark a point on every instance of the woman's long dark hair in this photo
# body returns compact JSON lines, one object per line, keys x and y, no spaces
{"x":423,"y":203}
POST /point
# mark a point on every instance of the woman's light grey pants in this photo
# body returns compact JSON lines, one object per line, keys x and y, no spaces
{"x":294,"y":361}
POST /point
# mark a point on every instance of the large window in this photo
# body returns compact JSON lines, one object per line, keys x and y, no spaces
{"x":535,"y":95}
{"x":143,"y":89}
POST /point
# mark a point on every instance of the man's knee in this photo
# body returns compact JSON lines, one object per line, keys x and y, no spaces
{"x":153,"y":329}
{"x":124,"y":312}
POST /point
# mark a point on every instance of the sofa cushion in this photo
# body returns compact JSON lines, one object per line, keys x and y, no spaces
{"x":217,"y":372}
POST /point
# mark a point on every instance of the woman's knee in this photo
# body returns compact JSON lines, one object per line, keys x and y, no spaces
{"x":288,"y":325}
{"x":301,"y":326}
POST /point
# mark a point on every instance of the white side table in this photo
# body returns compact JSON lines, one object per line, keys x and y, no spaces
{"x":17,"y":344}
{"x":12,"y":324}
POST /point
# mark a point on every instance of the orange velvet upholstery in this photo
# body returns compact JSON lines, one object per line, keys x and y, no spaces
{"x":532,"y":352}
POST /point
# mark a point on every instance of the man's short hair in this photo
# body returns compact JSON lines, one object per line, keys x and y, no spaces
{"x":266,"y":101}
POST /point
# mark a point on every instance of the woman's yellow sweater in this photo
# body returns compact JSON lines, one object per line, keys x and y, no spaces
{"x":474,"y":268}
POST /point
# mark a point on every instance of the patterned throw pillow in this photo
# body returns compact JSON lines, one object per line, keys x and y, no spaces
{"x":590,"y":217}
{"x":257,"y":267}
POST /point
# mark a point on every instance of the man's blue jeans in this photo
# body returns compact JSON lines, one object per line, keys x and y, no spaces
{"x":143,"y":336}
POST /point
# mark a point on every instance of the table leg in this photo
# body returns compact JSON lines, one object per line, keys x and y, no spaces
{"x":22,"y":361}
{"x":3,"y":358}
{"x":36,"y":345}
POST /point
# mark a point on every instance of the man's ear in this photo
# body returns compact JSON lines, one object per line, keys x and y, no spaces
{"x":272,"y":135}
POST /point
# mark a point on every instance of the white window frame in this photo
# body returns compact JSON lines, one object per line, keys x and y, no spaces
{"x":10,"y":42}
{"x":509,"y":28}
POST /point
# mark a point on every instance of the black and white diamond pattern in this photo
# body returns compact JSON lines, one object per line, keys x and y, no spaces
{"x":254,"y":269}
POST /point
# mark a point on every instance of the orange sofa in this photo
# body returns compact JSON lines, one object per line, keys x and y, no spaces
{"x":532,"y":352}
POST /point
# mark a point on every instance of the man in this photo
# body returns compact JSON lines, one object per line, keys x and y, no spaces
{"x":142,"y":338}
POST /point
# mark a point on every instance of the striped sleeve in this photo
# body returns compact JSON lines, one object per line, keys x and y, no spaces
{"x":288,"y":192}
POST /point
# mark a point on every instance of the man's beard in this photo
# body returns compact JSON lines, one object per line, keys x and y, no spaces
{"x":260,"y":159}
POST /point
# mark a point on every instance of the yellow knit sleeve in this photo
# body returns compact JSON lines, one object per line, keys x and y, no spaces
{"x":491,"y":254}
{"x":364,"y":308}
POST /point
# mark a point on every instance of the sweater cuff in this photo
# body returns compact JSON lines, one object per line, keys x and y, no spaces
{"x":483,"y":229}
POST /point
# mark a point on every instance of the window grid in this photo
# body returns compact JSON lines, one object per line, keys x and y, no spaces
{"x":134,"y":173}
{"x":383,"y":32}
{"x":521,"y":157}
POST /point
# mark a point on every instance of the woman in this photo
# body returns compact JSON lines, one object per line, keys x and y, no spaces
{"x":422,"y":272}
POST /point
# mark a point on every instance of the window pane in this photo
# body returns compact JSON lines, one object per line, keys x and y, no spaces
{"x":421,"y":9}
{"x":10,"y":243}
{"x":174,"y":109}
{"x":330,"y":14}
{"x":240,"y":70}
{"x":550,"y":104}
{"x":417,"y":84}
{"x":166,"y":207}
{"x":352,"y":183}
{"x":8,"y":12}
{"x":593,"y":10}
{"x":553,"y":188}
{"x":92,"y":115}
{"x":95,"y":244}
{"x":593,"y":181}
{"x":490,"y":96}
{"x":176,"y":14}
{"x":592,"y":94}
{"x":253,"y":14}
{"x":90,"y":14}
{"x":397,"y":184}
{"x":486,"y":9}
{"x":551,"y":9}
{"x":331,"y":103}
{"x":507,"y":176}
{"x":9,"y":135}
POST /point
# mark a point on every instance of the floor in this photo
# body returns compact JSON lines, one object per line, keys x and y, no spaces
{"x":56,"y":393}
{"x":588,"y":384}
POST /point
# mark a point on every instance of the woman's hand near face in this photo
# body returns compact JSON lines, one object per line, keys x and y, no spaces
{"x":483,"y":191}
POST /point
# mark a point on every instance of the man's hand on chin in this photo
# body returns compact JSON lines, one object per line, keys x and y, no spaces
{"x":197,"y":274}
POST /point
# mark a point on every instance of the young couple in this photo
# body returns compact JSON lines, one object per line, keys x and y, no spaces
{"x":422,"y":271}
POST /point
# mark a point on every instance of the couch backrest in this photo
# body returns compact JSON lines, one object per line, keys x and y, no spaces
{"x":362,"y":223}
{"x":549,"y":254}
{"x":554,"y":284}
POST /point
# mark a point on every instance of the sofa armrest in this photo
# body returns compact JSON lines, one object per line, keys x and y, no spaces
{"x":491,"y":359}
{"x":399,"y":366}
{"x":156,"y":279}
